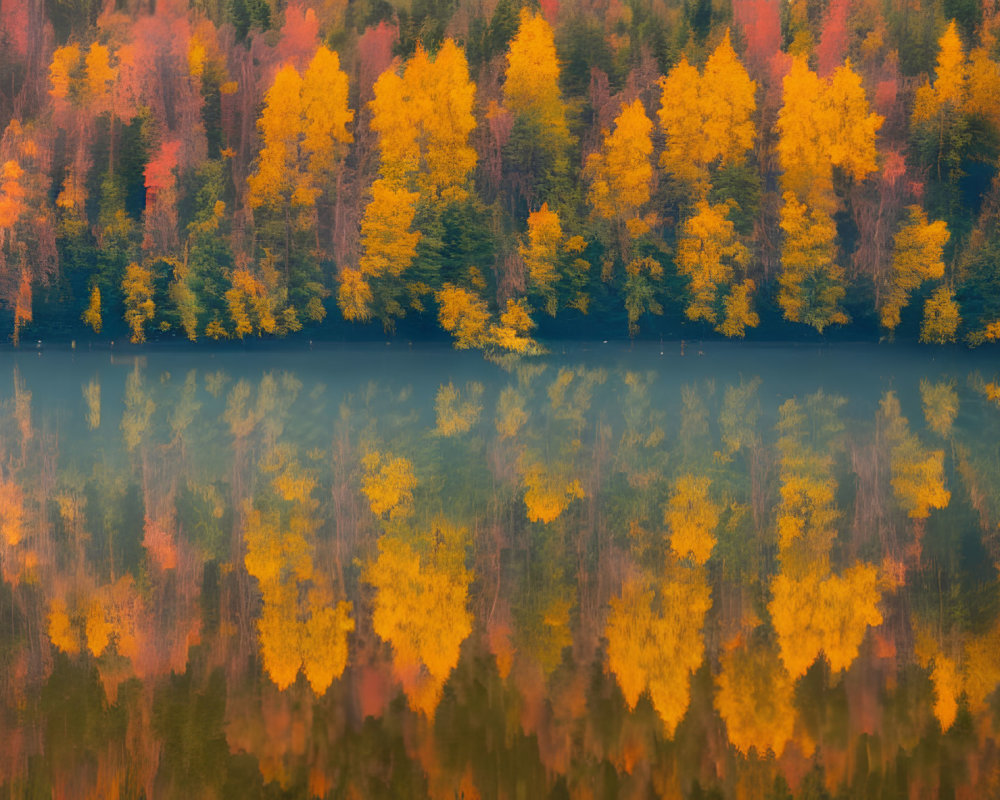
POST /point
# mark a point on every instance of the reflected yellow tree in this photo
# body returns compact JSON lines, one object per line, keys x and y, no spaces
{"x":940,"y":402}
{"x":654,"y":638}
{"x":692,"y":517}
{"x":755,"y":699}
{"x":813,"y":610}
{"x":420,"y":606}
{"x":388,"y":483}
{"x":301,"y":625}
{"x":917,"y":472}
{"x":456,"y":411}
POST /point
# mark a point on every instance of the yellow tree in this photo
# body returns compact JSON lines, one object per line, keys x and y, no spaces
{"x":947,"y":92}
{"x":692,"y":516}
{"x":728,"y":104}
{"x":388,"y":249}
{"x":541,"y":254}
{"x":826,"y":614}
{"x":822,"y":124}
{"x":423,"y":118}
{"x":756,"y":699}
{"x":654,"y":639}
{"x":539,"y":144}
{"x":420,"y":608}
{"x":325,"y":117}
{"x":941,"y":317}
{"x":681,"y":121}
{"x":621,"y":172}
{"x":279,"y":179}
{"x":708,"y":254}
{"x":812,"y":283}
{"x":531,"y":86}
{"x":388,"y":483}
{"x":802,"y":141}
{"x":706,"y":117}
{"x":917,"y":473}
{"x":916,"y":257}
{"x":137,"y":288}
{"x":301,"y":627}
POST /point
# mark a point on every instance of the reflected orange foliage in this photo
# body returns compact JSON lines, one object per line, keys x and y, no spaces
{"x":824,"y":614}
{"x":420,"y":609}
{"x":655,"y":649}
{"x":388,"y":483}
{"x":755,"y":699}
{"x":692,"y":518}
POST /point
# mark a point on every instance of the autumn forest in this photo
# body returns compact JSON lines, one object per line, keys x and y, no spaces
{"x":500,"y":174}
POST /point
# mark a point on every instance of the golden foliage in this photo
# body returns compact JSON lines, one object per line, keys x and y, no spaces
{"x":682,"y":124}
{"x":739,"y":313}
{"x":464,"y":315}
{"x":101,"y":76}
{"x":354,"y":296}
{"x":654,"y":650}
{"x":824,"y":124}
{"x":692,"y":517}
{"x":547,"y":493}
{"x":807,"y":515}
{"x":728,"y":104}
{"x":423,"y":119}
{"x":324,"y":641}
{"x":531,"y":86}
{"x":137,"y":287}
{"x":11,"y":512}
{"x":708,"y":253}
{"x":947,"y":689}
{"x":812,"y":283}
{"x":92,"y":315}
{"x":112,"y":617}
{"x":92,"y":397}
{"x":325,"y":115}
{"x":420,"y":608}
{"x":941,"y":317}
{"x":456,"y":414}
{"x":706,"y":118}
{"x":951,"y":75}
{"x":65,"y":67}
{"x":278,"y":179}
{"x":251,"y":306}
{"x":388,"y":483}
{"x":917,"y":473}
{"x":541,"y":254}
{"x":940,"y":401}
{"x":61,"y":629}
{"x":511,"y":335}
{"x":816,"y":614}
{"x":139,"y":408}
{"x":300,"y":626}
{"x":755,"y":699}
{"x":389,"y":244}
{"x":917,"y":256}
{"x":511,"y":413}
{"x":621,"y":173}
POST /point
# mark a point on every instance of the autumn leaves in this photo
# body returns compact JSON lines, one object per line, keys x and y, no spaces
{"x":705,"y":193}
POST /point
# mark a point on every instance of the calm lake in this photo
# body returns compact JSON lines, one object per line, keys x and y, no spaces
{"x":613,"y":572}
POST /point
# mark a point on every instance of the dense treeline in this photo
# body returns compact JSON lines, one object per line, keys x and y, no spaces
{"x":250,"y":168}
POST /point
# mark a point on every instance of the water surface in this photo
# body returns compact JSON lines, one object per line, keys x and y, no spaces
{"x":400,"y":572}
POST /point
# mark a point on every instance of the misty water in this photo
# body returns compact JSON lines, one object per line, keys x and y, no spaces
{"x":668,"y":570}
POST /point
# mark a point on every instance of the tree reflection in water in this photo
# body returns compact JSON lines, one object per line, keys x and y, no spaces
{"x":554,"y":578}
